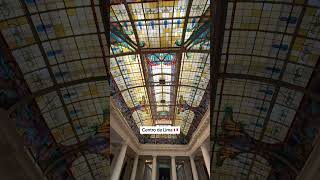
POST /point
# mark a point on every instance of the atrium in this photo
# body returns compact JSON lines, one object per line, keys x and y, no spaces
{"x":239,"y":79}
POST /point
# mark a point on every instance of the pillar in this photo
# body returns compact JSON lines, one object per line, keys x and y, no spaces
{"x":118,"y":166}
{"x":193,"y":169}
{"x":128,"y":168}
{"x":134,"y":169}
{"x":206,"y":157}
{"x":173,"y":168}
{"x":141,"y":169}
{"x":187,"y":170}
{"x":115,"y":157}
{"x":154,"y":168}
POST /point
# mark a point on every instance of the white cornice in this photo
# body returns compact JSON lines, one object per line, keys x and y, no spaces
{"x":119,"y":124}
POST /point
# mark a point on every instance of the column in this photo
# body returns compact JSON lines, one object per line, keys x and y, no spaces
{"x":206,"y":157}
{"x":134,"y":169}
{"x":154,"y":168}
{"x":141,"y":169}
{"x":187,"y":170}
{"x":193,"y":169}
{"x":118,"y":166}
{"x":173,"y":168}
{"x":128,"y":168}
{"x":202,"y":171}
{"x":114,"y":160}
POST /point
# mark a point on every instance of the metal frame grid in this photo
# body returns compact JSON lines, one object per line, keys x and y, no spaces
{"x":61,"y":48}
{"x":262,"y":57}
{"x":262,"y":68}
{"x":159,"y":73}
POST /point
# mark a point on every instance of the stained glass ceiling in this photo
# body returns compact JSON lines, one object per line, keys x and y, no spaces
{"x":58,"y":49}
{"x":160,"y":64}
{"x":269,"y":56}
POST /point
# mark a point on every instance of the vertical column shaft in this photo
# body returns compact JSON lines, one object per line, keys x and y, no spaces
{"x":173,"y":168}
{"x":206,"y":157}
{"x":134,"y":169}
{"x":118,"y":166}
{"x":194,"y":169}
{"x":154,"y":168}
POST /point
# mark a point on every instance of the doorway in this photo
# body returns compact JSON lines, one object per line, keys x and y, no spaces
{"x":164,"y":173}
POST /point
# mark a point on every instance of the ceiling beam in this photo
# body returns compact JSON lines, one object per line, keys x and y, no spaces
{"x":93,"y":8}
{"x":218,"y":10}
{"x":160,"y":50}
{"x":179,"y":57}
{"x":143,"y":63}
{"x":275,"y":82}
{"x":28,"y":98}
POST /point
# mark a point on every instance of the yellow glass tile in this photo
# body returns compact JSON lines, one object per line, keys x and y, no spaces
{"x":59,"y":30}
{"x":153,"y":5}
{"x":29,"y":40}
{"x":298,"y":47}
{"x":22,"y":20}
{"x":21,"y":131}
{"x":12,"y":44}
{"x":85,"y":93}
{"x":311,"y":11}
{"x":299,"y":41}
{"x":244,"y":26}
{"x":252,"y":26}
{"x":256,"y":12}
{"x":303,"y":32}
{"x":299,"y":1}
{"x":4,"y":25}
{"x":69,"y":3}
{"x":293,"y":58}
{"x":56,"y":134}
{"x":71,"y":12}
{"x":174,"y":39}
{"x":313,"y":57}
{"x":68,"y":130}
{"x":12,"y":22}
